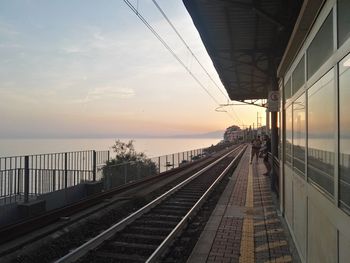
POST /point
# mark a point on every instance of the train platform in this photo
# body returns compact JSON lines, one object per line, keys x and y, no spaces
{"x":245,"y":225}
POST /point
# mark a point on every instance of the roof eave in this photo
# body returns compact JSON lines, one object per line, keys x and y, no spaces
{"x":306,"y":19}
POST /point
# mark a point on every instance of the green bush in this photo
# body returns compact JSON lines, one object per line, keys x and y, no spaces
{"x":128,"y":165}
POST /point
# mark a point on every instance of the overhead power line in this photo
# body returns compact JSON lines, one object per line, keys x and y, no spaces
{"x":187,"y":46}
{"x":154,"y":32}
{"x":192,"y":53}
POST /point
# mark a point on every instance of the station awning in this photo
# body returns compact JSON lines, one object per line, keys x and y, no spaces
{"x":246,"y":40}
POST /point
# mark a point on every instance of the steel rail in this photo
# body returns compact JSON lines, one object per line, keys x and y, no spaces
{"x":180,"y":226}
{"x":93,"y":243}
{"x":8,"y":234}
{"x":18,"y":229}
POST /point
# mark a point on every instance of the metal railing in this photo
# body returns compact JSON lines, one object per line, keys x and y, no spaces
{"x":25,"y":177}
{"x":123,"y":173}
{"x":275,"y":175}
{"x":170,"y":161}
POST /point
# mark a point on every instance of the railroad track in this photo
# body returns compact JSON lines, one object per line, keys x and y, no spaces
{"x":55,"y":237}
{"x":13,"y":231}
{"x":145,"y":235}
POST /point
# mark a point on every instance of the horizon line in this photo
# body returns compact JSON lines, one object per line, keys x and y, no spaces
{"x":121,"y":136}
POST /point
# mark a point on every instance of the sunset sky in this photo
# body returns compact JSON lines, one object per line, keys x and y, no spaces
{"x":92,"y":68}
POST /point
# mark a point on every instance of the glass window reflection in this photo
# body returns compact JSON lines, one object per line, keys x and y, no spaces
{"x":288,"y":90}
{"x":321,"y":132}
{"x":288,"y":145}
{"x":299,"y":135}
{"x":343,"y":21}
{"x":321,"y":47}
{"x":344,"y":132}
{"x":298,"y":76}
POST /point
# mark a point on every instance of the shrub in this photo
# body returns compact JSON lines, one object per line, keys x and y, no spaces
{"x":128,"y":165}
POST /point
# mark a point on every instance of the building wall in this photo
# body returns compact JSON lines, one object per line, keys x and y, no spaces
{"x":316,"y":139}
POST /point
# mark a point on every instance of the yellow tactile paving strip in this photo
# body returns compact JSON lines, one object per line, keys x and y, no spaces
{"x":245,"y":226}
{"x":247,"y":242}
{"x":271,"y":245}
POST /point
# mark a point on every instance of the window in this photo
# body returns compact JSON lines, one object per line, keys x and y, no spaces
{"x":299,"y":134}
{"x":344,"y":132}
{"x":298,"y":76}
{"x":343,"y":21}
{"x":289,"y":135}
{"x":287,"y":90}
{"x":321,"y":132}
{"x":321,"y":47}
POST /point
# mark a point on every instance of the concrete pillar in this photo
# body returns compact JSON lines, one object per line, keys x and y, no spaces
{"x":267,"y":122}
{"x":274,"y":146}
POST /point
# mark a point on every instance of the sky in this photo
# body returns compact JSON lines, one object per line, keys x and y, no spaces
{"x":87,"y":68}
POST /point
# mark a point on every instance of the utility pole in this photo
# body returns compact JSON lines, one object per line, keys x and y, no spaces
{"x":258,"y":120}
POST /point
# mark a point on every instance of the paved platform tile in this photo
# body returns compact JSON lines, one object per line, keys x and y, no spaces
{"x":248,"y":229}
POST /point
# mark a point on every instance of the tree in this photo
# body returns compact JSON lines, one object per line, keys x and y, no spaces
{"x":125,"y":152}
{"x":128,"y":165}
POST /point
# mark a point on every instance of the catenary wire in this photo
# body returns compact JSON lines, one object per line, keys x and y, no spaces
{"x":192,"y":53}
{"x":144,"y":21}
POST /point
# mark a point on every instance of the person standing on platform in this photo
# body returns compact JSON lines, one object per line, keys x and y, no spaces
{"x":256,"y":145}
{"x":267,"y":150}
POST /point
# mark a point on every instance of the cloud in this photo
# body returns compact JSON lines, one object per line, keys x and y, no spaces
{"x":107,"y":92}
{"x":10,"y":97}
{"x":7,"y":84}
{"x":10,"y":46}
{"x":75,"y":50}
{"x":112,"y":92}
{"x":9,"y":37}
{"x":7,"y":30}
{"x":92,"y":39}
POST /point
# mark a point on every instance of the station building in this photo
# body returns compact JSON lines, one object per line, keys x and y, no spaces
{"x":301,"y":49}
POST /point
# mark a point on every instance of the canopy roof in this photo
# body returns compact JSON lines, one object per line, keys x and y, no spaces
{"x":246,"y":40}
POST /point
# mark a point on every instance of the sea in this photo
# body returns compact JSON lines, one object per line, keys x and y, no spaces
{"x":152,"y":147}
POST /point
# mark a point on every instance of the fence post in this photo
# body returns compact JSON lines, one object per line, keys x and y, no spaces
{"x":65,"y":170}
{"x":108,"y":156}
{"x":173,"y":161}
{"x":94,"y":165}
{"x":166,"y":162}
{"x":18,"y":180}
{"x":54,"y":180}
{"x":26,"y":179}
{"x":159,"y":165}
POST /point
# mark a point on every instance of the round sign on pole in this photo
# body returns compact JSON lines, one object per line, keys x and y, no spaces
{"x":273,"y":101}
